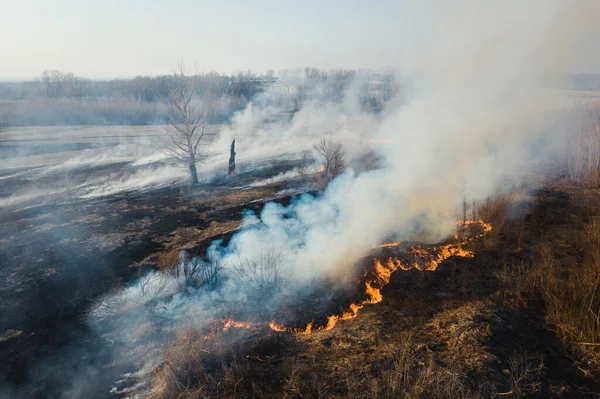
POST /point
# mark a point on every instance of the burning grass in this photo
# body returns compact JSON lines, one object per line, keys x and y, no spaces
{"x":215,"y":363}
{"x":413,"y":343}
{"x":378,"y":275}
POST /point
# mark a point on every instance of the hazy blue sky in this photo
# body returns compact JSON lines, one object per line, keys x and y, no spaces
{"x":130,"y":37}
{"x":113,"y":38}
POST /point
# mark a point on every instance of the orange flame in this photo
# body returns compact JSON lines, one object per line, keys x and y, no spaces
{"x":228,"y":323}
{"x":351,"y":313}
{"x":421,"y":259}
{"x":278,"y":327}
{"x":487,"y":227}
{"x":386,"y":245}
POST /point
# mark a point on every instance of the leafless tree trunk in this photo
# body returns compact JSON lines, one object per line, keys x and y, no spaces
{"x":334,"y":158}
{"x":189,"y":115}
{"x":232,"y":158}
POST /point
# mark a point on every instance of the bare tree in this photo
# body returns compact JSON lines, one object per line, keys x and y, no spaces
{"x":189,"y":114}
{"x":334,"y":158}
{"x":53,"y":83}
{"x":56,"y":84}
{"x":75,"y":86}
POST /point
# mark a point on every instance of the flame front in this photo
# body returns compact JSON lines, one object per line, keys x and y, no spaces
{"x":417,"y":257}
{"x":386,"y":245}
{"x":307,"y":330}
{"x":228,"y":323}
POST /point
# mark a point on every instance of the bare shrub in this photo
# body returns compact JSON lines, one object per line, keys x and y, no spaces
{"x":196,"y":273}
{"x":494,"y":209}
{"x":263,"y":277}
{"x":139,"y":303}
{"x":334,"y":158}
{"x":522,"y":374}
{"x":190,"y":273}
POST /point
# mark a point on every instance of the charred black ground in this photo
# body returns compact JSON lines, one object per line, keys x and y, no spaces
{"x":460,"y":326}
{"x":57,"y":258}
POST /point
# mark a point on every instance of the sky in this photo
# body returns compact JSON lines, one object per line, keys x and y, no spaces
{"x":126,"y":38}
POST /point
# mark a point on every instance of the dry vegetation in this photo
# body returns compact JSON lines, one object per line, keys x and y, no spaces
{"x":561,"y":274}
{"x":520,"y":319}
{"x":453,"y":333}
{"x":236,"y":363}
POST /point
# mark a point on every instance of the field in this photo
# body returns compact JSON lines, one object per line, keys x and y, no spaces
{"x":300,"y":201}
{"x":78,"y":223}
{"x":87,"y":209}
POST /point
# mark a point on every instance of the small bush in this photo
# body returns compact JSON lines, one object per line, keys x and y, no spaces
{"x":263,"y":278}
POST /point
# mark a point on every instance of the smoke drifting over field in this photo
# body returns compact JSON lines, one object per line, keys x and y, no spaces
{"x":471,"y":119}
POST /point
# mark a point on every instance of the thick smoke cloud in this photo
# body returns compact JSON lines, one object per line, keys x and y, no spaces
{"x":474,"y":117}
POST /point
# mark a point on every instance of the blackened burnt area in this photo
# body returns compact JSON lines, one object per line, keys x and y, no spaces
{"x":55,"y":266}
{"x":51,"y":275}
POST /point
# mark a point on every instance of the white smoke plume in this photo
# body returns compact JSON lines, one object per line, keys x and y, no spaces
{"x":472,"y":120}
{"x":474,"y":117}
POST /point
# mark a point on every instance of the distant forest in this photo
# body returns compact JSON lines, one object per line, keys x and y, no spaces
{"x":60,"y":98}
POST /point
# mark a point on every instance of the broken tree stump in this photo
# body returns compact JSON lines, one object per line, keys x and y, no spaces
{"x":232,"y":159}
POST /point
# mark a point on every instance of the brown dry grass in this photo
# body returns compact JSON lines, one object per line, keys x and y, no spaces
{"x":167,"y":261}
{"x":214,"y":364}
{"x":559,"y":273}
{"x":572,"y":294}
{"x":426,"y":361}
{"x":583,"y":160}
{"x":546,"y":260}
{"x":238,"y":197}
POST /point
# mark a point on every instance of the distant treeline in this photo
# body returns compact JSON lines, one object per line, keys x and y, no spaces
{"x":59,"y":98}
